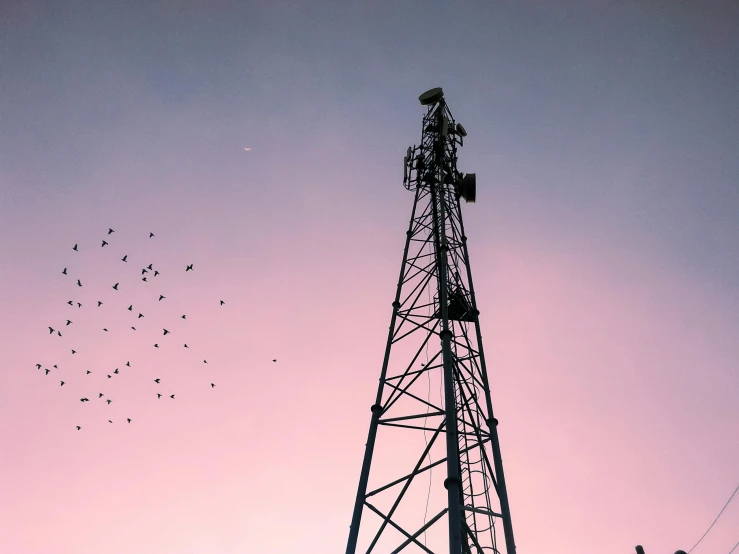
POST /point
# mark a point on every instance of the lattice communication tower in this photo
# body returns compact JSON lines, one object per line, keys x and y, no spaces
{"x":432,"y":476}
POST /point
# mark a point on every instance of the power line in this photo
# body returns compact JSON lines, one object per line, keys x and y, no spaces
{"x":715,"y":520}
{"x":732,"y":550}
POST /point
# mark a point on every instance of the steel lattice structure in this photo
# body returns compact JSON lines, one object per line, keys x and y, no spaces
{"x":419,"y":445}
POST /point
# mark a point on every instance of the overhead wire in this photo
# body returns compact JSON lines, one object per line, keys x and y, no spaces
{"x":715,"y":520}
{"x":732,"y":550}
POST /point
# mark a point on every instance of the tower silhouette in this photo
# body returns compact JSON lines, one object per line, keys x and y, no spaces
{"x":432,"y":475}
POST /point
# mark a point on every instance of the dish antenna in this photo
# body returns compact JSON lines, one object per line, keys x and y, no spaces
{"x":467,"y":187}
{"x":461,"y":131}
{"x":431,"y":96}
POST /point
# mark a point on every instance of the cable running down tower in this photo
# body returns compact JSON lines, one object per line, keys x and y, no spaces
{"x":432,"y":477}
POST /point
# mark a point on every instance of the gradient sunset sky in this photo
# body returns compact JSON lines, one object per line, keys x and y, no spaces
{"x":604,"y":247}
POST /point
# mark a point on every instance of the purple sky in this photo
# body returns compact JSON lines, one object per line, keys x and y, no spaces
{"x":604,"y":250}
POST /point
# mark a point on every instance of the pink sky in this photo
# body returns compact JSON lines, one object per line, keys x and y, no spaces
{"x":603,"y":248}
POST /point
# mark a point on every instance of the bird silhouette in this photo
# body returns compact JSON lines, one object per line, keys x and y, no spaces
{"x":116,"y":286}
{"x":274,"y":360}
{"x":104,"y":329}
{"x":99,"y":303}
{"x":161,"y":297}
{"x":144,"y":271}
{"x":38,"y":366}
{"x":100,"y":395}
{"x":110,"y":376}
{"x":104,"y":243}
{"x":165,"y":332}
{"x":59,"y":333}
{"x":188,"y":268}
{"x":172,"y":397}
{"x":149,"y":266}
{"x":140,"y":316}
{"x":109,"y":421}
{"x":159,"y":395}
{"x":128,"y":364}
{"x":79,"y":305}
{"x":83,"y":399}
{"x":186,"y":346}
{"x":62,"y":384}
{"x":78,"y":427}
{"x":124,"y":258}
{"x":88,"y":372}
{"x":110,"y":231}
{"x":75,"y":248}
{"x":183,"y":316}
{"x":64,"y":271}
{"x":157,"y":380}
{"x":47,"y":371}
{"x":156,"y":346}
{"x":69,"y":322}
{"x":51,"y":331}
{"x":156,"y":273}
{"x":222,"y":302}
{"x":109,"y":401}
{"x":205,"y":361}
{"x":144,"y":279}
{"x":74,"y":351}
{"x":212,"y":385}
{"x":55,"y":366}
{"x":128,"y":419}
{"x":130,"y":308}
{"x":151,"y":235}
{"x":116,"y":371}
{"x":134,"y":328}
{"x":79,"y":284}
{"x":70,"y":303}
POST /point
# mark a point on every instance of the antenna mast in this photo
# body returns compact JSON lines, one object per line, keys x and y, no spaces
{"x":432,"y":476}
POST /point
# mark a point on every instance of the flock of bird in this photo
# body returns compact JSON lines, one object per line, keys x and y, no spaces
{"x":145,"y":271}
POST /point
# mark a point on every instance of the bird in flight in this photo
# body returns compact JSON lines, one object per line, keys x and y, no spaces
{"x":165,"y":332}
{"x":109,"y":376}
{"x":186,"y":346}
{"x":144,"y":279}
{"x":128,"y":419}
{"x":62,"y":384}
{"x":161,"y":297}
{"x":183,"y":316}
{"x":157,"y":381}
{"x":64,"y":271}
{"x":99,"y":303}
{"x":109,"y":401}
{"x":134,"y":328}
{"x":78,"y":427}
{"x":274,"y":360}
{"x":79,"y":284}
{"x":156,"y":273}
{"x":189,"y":268}
{"x":149,"y":266}
{"x":75,"y":248}
{"x":70,"y":303}
{"x":68,"y":322}
{"x":79,"y":305}
{"x":156,"y":346}
{"x":212,"y":385}
{"x":159,"y":395}
{"x":140,"y":316}
{"x":130,"y":308}
{"x":124,"y":258}
{"x":38,"y":366}
{"x":104,"y":243}
{"x":205,"y":361}
{"x":74,"y":351}
{"x":222,"y":302}
{"x":151,"y":235}
{"x":116,"y":371}
{"x":84,"y":400}
{"x":116,"y":286}
{"x":88,"y":372}
{"x":100,"y":395}
{"x":104,"y":329}
{"x":110,"y":231}
{"x":110,"y":421}
{"x":128,"y":364}
{"x":47,"y":371}
{"x":172,"y":397}
{"x":59,"y":333}
{"x":143,"y":270}
{"x":51,"y":331}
